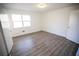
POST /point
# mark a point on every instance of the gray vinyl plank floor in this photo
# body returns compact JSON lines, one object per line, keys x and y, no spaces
{"x":43,"y":44}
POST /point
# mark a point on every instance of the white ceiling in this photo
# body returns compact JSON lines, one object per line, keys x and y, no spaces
{"x":33,"y":6}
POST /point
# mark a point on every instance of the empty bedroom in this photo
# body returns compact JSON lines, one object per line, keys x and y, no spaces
{"x":39,"y":29}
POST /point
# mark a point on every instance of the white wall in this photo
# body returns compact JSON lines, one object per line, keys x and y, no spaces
{"x":56,"y":21}
{"x":35,"y":22}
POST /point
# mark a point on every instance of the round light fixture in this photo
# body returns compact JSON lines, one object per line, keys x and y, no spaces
{"x":42,"y":5}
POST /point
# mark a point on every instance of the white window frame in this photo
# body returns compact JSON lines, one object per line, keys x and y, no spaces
{"x":21,"y":20}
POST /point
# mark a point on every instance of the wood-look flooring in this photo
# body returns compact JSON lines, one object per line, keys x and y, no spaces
{"x":43,"y":44}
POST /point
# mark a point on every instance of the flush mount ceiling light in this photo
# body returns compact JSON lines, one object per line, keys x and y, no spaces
{"x":42,"y":5}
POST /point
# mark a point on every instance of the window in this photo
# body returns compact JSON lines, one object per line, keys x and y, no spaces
{"x":26,"y":20}
{"x":17,"y":22}
{"x":21,"y":20}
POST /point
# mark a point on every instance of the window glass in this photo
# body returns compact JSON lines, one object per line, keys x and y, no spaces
{"x":16,"y":17}
{"x":17,"y":24}
{"x":21,"y":20}
{"x":27,"y":24}
{"x":26,"y":18}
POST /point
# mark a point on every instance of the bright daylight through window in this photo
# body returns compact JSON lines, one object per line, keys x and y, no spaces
{"x":21,"y":20}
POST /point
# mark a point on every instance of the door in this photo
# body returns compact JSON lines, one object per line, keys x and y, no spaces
{"x":6,"y":31}
{"x":73,"y":27}
{"x":3,"y":47}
